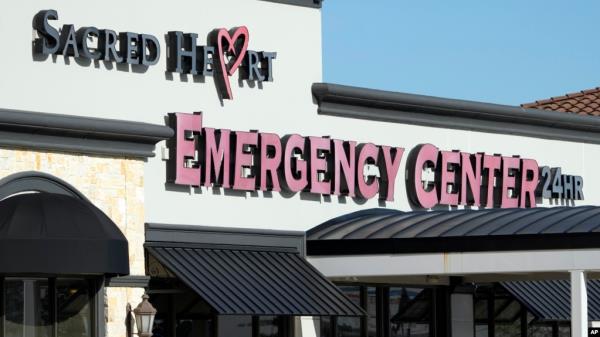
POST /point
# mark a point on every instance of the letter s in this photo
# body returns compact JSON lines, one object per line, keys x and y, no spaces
{"x":47,"y":43}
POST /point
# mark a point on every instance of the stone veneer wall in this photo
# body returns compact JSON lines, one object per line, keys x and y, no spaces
{"x":116,"y":186}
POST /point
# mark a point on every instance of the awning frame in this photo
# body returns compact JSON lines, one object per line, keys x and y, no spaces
{"x":382,"y":243}
{"x":247,"y":272}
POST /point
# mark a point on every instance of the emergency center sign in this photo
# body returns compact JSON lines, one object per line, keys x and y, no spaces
{"x":252,"y":160}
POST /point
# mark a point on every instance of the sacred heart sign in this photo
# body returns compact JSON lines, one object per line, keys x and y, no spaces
{"x":226,"y":51}
{"x":225,"y":54}
{"x":231,"y":49}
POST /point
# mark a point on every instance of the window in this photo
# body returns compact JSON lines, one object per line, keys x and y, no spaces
{"x":350,"y":326}
{"x":536,"y":328}
{"x":496,"y":309}
{"x":253,"y":326}
{"x":392,"y":312}
{"x":269,"y":326}
{"x":239,"y":326}
{"x":410,"y":312}
{"x":371,"y":311}
{"x":564,"y":330}
{"x":27,"y":307}
{"x":54,"y":307}
{"x":73,"y":312}
{"x":182,"y":313}
{"x":480,"y":309}
{"x":326,"y":326}
{"x":507,"y":317}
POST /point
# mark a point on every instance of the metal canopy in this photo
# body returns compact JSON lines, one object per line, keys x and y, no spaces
{"x":386,"y":231}
{"x":254,"y":281}
{"x":47,"y":233}
{"x":551,"y":300}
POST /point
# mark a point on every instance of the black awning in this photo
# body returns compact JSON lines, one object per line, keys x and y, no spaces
{"x":387,"y":231}
{"x":550,"y":300}
{"x":46,"y":233}
{"x":254,"y":282}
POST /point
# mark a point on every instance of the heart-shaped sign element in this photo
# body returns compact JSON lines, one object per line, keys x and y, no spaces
{"x":231,"y":48}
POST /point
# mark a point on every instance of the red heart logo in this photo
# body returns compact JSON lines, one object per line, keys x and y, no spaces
{"x":234,"y":43}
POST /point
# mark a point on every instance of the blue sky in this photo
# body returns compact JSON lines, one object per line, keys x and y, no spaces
{"x":509,"y":51}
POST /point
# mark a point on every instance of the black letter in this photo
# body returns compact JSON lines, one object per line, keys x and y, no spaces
{"x":149,"y":43}
{"x":267,"y":64}
{"x":252,"y":71}
{"x":568,"y":188}
{"x":106,"y":44}
{"x":182,"y":60}
{"x":129,"y":47}
{"x":578,"y":188}
{"x":82,"y":35}
{"x":206,"y":63}
{"x":67,"y":39}
{"x":47,"y":43}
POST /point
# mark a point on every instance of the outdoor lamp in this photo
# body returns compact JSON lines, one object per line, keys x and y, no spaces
{"x":144,"y":317}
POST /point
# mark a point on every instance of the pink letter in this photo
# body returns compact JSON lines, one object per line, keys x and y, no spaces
{"x":387,"y":178}
{"x":450,"y":163}
{"x":529,"y":182}
{"x":318,"y":148}
{"x":216,"y":157}
{"x":424,"y":155}
{"x":344,"y":158}
{"x":509,"y":166}
{"x":270,"y":159}
{"x":245,"y":145}
{"x":491,"y":164}
{"x":367,"y":185}
{"x":186,"y":169}
{"x":294,"y":169}
{"x":470,"y":179}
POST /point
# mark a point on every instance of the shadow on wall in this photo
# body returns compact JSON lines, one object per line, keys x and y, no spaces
{"x":304,"y":196}
{"x":83,"y":62}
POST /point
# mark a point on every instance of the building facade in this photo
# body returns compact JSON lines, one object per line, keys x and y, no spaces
{"x":233,"y":187}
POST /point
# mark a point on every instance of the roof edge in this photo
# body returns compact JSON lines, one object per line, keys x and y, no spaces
{"x":355,"y":102}
{"x":228,"y":236}
{"x":302,"y":3}
{"x":453,"y":244}
{"x":48,"y":131}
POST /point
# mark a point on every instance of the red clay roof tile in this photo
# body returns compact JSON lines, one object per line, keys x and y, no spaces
{"x":584,"y":102}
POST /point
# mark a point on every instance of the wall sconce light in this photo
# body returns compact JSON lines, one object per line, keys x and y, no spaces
{"x":144,"y":318}
{"x":433,"y":279}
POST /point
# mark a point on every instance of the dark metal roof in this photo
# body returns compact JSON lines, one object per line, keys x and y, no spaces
{"x":391,"y":231}
{"x":254,"y":282}
{"x":46,"y":233}
{"x":551,"y":300}
{"x":265,"y":239}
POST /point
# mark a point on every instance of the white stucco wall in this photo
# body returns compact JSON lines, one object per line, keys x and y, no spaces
{"x":284,"y":106}
{"x":54,"y":86}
